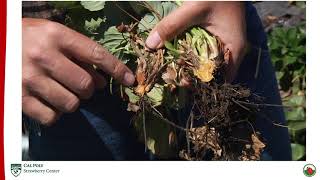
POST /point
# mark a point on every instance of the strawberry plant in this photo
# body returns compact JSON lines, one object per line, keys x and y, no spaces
{"x":181,"y":89}
{"x":288,"y":53}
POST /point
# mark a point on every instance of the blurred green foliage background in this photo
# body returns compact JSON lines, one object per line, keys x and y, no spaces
{"x":287,"y":45}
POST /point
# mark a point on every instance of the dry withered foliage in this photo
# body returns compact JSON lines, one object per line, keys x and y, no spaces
{"x":205,"y":138}
{"x":149,"y":64}
{"x":220,"y":124}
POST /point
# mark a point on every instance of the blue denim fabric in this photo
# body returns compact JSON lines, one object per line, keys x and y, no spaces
{"x":99,"y":130}
{"x":265,"y":85}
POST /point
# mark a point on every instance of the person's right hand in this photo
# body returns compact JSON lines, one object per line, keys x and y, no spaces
{"x":226,"y":20}
{"x":57,"y":69}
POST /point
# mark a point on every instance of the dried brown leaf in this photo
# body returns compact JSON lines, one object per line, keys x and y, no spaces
{"x":257,"y":145}
{"x":170,"y":75}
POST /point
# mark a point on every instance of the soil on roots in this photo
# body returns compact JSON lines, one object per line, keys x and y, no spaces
{"x":220,"y":125}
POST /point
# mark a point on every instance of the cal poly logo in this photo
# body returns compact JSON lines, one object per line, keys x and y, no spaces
{"x":16,"y":169}
{"x":309,"y":170}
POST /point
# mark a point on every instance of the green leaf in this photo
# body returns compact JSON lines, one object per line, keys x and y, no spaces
{"x":188,"y":38}
{"x":167,"y":8}
{"x":179,"y":3}
{"x":155,"y":5}
{"x":113,"y":35}
{"x":147,"y":22}
{"x":156,"y":95}
{"x":292,"y":34}
{"x":284,"y":50}
{"x":157,"y":132}
{"x":150,"y":19}
{"x":297,"y":100}
{"x":298,"y":151}
{"x":296,"y":126}
{"x":297,"y":130}
{"x":279,"y":74}
{"x":93,"y":5}
{"x":170,"y":46}
{"x":116,"y":43}
{"x":278,"y":32}
{"x":289,"y":60}
{"x":296,"y":110}
{"x":77,"y":17}
{"x":301,"y":49}
{"x":92,"y":25}
{"x":132,"y":97}
{"x":296,"y":114}
{"x":162,"y":8}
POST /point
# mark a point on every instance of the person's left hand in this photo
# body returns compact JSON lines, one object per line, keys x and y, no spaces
{"x":223,"y":19}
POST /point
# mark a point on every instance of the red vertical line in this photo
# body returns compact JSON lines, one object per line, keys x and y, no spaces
{"x":3,"y":29}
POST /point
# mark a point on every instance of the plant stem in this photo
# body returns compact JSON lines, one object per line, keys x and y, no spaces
{"x":144,"y":126}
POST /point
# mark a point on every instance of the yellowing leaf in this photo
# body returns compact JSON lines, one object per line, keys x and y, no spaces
{"x":132,"y":97}
{"x":150,"y":144}
{"x":205,"y":71}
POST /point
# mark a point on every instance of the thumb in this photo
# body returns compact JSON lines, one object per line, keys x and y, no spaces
{"x":171,"y":25}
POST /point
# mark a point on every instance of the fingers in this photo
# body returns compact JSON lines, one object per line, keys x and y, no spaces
{"x":37,"y":110}
{"x":68,"y":73}
{"x":52,"y":92}
{"x":175,"y":23}
{"x":85,"y":50}
{"x":52,"y":82}
{"x":99,"y":81}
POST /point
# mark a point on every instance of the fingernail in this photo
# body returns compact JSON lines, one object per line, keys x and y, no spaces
{"x":153,"y":40}
{"x":128,"y":79}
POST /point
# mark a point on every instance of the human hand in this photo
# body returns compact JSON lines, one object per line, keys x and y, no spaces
{"x":57,"y":69}
{"x":223,"y":19}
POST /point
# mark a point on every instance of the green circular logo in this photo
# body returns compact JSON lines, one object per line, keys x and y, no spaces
{"x":309,"y":170}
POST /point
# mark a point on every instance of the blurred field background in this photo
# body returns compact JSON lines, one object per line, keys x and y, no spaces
{"x":285,"y":23}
